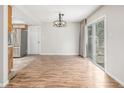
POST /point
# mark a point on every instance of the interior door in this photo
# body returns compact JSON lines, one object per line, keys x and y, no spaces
{"x":34,"y":39}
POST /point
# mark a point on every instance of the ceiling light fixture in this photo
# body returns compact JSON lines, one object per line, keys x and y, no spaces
{"x":60,"y":22}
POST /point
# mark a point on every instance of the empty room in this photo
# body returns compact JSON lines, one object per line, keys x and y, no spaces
{"x":61,"y":46}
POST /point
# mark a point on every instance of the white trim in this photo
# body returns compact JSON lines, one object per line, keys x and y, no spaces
{"x":105,"y":42}
{"x":119,"y":81}
{"x":59,"y":54}
{"x":97,"y":20}
{"x":2,"y":85}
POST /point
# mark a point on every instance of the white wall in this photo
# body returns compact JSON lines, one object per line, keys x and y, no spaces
{"x":3,"y":45}
{"x":19,"y":16}
{"x":114,"y":39}
{"x":60,"y":41}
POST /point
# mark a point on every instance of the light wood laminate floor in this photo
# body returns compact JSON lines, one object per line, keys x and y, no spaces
{"x":62,"y":72}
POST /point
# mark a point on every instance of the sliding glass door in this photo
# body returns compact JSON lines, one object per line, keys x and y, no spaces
{"x":95,"y":42}
{"x":100,"y":43}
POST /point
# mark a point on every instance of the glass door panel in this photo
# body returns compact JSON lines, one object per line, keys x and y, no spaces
{"x":99,"y":39}
{"x":90,"y":42}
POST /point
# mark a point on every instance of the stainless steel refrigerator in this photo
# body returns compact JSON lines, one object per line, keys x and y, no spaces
{"x":19,"y":42}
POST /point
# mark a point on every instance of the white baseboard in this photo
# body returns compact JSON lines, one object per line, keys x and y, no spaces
{"x":59,"y":54}
{"x":2,"y":85}
{"x":119,"y":81}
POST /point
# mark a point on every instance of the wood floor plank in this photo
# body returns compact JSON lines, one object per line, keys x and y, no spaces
{"x":62,"y":72}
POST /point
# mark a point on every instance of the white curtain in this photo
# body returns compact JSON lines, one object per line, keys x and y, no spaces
{"x":82,"y":46}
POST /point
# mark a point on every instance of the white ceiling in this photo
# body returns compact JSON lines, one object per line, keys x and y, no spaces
{"x":49,"y":13}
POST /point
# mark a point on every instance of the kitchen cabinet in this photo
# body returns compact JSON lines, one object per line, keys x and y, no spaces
{"x":10,"y":46}
{"x":9,"y":18}
{"x":10,"y":58}
{"x":20,"y":26}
